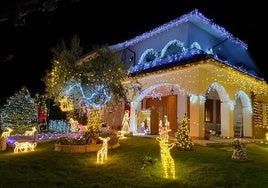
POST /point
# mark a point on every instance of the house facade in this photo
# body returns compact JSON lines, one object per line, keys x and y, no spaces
{"x":193,"y":66}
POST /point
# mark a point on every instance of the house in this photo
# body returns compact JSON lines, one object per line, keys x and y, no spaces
{"x":193,"y":66}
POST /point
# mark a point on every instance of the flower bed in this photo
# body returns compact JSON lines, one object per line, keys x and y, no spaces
{"x":82,"y":148}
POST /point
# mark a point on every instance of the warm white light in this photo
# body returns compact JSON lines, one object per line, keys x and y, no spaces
{"x":166,"y":159}
{"x":24,"y":146}
{"x":103,"y":152}
{"x":66,"y":104}
{"x":31,"y":132}
{"x":6,"y":133}
{"x":125,"y":123}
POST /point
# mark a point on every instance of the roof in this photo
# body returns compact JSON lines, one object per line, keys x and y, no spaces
{"x":195,"y":17}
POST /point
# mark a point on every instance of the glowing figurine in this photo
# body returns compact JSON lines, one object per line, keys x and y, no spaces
{"x":166,"y":159}
{"x":103,"y":152}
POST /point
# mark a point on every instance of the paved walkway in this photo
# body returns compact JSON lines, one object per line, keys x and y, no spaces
{"x":213,"y":141}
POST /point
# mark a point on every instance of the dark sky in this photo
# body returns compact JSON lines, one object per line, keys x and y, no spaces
{"x":25,"y":50}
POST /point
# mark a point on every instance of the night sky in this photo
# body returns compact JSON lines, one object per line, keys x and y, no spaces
{"x":25,"y":50}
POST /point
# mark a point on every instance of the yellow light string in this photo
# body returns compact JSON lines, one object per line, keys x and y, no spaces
{"x":66,"y":104}
{"x":188,"y":74}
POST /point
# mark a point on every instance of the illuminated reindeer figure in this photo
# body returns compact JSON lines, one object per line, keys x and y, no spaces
{"x":24,"y":146}
{"x":6,"y":133}
{"x":166,"y":159}
{"x":30,"y":133}
{"x":104,"y":150}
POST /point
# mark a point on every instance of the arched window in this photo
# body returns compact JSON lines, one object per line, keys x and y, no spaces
{"x":195,"y":45}
{"x":148,"y":55}
{"x":172,"y":47}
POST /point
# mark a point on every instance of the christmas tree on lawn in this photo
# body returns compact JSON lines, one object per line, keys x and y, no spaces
{"x":20,"y":111}
{"x":183,"y":139}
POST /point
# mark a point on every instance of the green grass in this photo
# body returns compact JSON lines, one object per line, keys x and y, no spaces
{"x":202,"y":167}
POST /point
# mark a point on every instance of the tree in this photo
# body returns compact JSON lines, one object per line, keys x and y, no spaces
{"x":183,"y":139}
{"x":63,"y":71}
{"x":20,"y":112}
{"x":92,"y":81}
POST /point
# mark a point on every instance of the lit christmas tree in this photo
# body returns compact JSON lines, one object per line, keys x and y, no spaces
{"x":94,"y":121}
{"x":20,"y":111}
{"x":184,"y":141}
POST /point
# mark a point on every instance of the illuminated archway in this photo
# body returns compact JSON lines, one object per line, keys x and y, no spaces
{"x":157,"y":96}
{"x":242,"y":115}
{"x":224,"y":109}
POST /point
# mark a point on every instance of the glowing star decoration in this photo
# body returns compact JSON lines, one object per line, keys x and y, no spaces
{"x":31,"y":132}
{"x":103,"y":152}
{"x":6,"y":133}
{"x":166,"y":159}
{"x":24,"y":146}
{"x":66,"y":104}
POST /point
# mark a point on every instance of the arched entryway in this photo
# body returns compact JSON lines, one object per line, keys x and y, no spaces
{"x":217,"y":110}
{"x":242,"y":115}
{"x":157,"y":103}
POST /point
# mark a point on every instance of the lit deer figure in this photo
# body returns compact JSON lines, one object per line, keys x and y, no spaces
{"x":24,"y":146}
{"x":6,"y":133}
{"x":30,"y":133}
{"x":102,"y":153}
{"x":166,"y":159}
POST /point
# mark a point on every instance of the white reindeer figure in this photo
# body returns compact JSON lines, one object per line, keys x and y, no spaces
{"x":6,"y":133}
{"x":166,"y":159}
{"x":30,"y":133}
{"x":102,"y":153}
{"x":24,"y":146}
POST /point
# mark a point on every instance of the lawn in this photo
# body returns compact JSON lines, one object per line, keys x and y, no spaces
{"x":201,"y":167}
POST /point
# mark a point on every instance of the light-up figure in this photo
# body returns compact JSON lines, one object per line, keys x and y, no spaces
{"x":24,"y":146}
{"x":166,"y":159}
{"x":125,"y":122}
{"x":6,"y":133}
{"x":103,"y":152}
{"x":74,"y":125}
{"x":163,"y":131}
{"x":266,"y":137}
{"x":31,"y":132}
